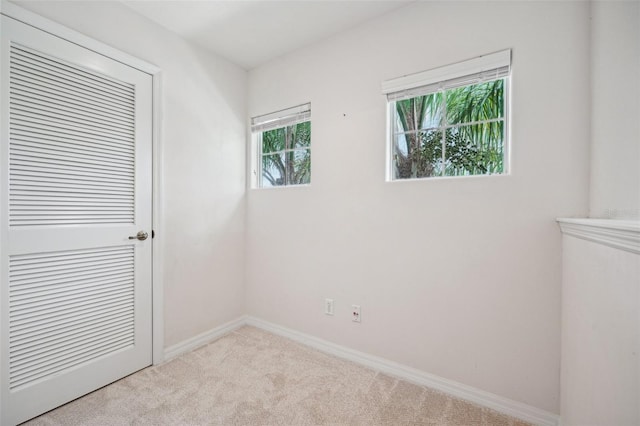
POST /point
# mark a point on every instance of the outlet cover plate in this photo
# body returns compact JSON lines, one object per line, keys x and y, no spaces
{"x":355,"y":313}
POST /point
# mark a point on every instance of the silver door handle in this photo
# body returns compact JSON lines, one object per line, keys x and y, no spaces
{"x":140,"y":236}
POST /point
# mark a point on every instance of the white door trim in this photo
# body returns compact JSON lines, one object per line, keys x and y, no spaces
{"x":58,"y":30}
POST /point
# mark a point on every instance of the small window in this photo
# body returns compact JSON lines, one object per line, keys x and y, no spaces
{"x":283,"y":145}
{"x":451,"y":121}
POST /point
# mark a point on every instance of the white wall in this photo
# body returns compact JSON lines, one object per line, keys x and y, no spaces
{"x":459,"y":277}
{"x":203,"y":131}
{"x":600,"y":335}
{"x":615,"y":109}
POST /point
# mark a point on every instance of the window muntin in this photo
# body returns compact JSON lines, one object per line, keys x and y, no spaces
{"x":459,"y":131}
{"x":285,"y":155}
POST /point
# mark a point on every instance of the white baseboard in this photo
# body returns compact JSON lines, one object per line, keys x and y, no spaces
{"x":504,"y":405}
{"x":486,"y":399}
{"x":203,"y":338}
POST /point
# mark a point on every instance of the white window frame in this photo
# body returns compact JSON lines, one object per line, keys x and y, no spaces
{"x":271,"y":121}
{"x":484,"y":68}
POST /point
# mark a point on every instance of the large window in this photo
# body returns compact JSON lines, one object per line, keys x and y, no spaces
{"x":451,"y":121}
{"x":283,"y":147}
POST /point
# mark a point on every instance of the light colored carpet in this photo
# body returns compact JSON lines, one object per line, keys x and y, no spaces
{"x":252,"y":377}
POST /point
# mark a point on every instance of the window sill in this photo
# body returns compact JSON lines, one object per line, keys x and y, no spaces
{"x":270,"y":188}
{"x":444,"y":178}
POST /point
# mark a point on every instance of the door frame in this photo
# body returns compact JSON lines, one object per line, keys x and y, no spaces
{"x":157,"y":303}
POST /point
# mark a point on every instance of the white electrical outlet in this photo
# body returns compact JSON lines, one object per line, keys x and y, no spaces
{"x":328,"y":306}
{"x":355,"y":313}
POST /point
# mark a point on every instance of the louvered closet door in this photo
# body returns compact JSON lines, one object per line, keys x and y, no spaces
{"x":75,"y":184}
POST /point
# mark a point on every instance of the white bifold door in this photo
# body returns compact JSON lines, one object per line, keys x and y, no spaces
{"x":75,"y":185}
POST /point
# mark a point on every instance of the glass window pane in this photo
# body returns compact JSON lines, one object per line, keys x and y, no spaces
{"x":401,"y":143}
{"x":476,"y":102}
{"x":273,"y":170}
{"x":273,"y":140}
{"x":417,"y":155}
{"x":475,"y":150}
{"x":433,"y":110}
{"x":418,"y":113}
{"x":298,"y":167}
{"x":301,"y":135}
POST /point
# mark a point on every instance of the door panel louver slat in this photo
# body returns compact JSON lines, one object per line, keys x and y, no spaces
{"x":44,"y":353}
{"x":78,"y":358}
{"x":62,"y":179}
{"x":66,"y":154}
{"x":82,"y":120}
{"x":36,"y":120}
{"x":70,"y":222}
{"x":29,"y":108}
{"x":28,"y":339}
{"x":27,"y":83}
{"x":74,"y":116}
{"x":24,"y":87}
{"x":22,"y":196}
{"x":36,"y":316}
{"x":55,"y":110}
{"x":30,"y":77}
{"x":89,"y":204}
{"x":45,"y":163}
{"x":60,"y":346}
{"x":71,"y":191}
{"x":45,"y":59}
{"x":71,"y":149}
{"x":23,"y":282}
{"x":81,"y":296}
{"x":73,"y":188}
{"x":89,"y":280}
{"x":66,"y":274}
{"x":44,"y":132}
{"x":40,"y":155}
{"x":39,"y":326}
{"x":75,"y":81}
{"x":63,"y":284}
{"x":67,"y":172}
{"x":62,"y":209}
{"x":82,"y":292}
{"x":66,"y":179}
{"x":53,"y":325}
{"x":65,"y":169}
{"x":42,"y":60}
{"x":59,"y":140}
{"x":32,"y":90}
{"x":41,"y":338}
{"x":75,"y":254}
{"x":49,"y":194}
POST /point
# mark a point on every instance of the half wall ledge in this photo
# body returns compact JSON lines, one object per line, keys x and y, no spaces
{"x":620,"y":234}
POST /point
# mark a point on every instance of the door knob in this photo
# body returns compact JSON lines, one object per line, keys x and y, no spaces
{"x":140,"y":236}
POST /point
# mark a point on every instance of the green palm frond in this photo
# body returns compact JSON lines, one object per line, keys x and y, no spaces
{"x":453,"y":146}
